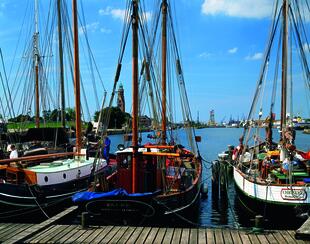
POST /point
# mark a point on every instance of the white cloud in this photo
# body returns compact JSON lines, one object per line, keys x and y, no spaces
{"x":204,"y":55}
{"x":89,"y":28}
{"x":233,"y":50}
{"x":306,"y":47}
{"x":2,"y":8}
{"x":105,"y":30}
{"x":115,"y":13}
{"x":119,"y":14}
{"x":238,"y":8}
{"x":255,"y":56}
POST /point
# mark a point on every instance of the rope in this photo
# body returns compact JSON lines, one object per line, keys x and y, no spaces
{"x":35,"y":199}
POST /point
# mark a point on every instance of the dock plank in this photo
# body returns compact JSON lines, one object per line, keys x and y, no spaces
{"x":111,"y":233}
{"x":279,"y":237}
{"x":168,"y":236}
{"x":152,"y":235}
{"x":185,"y":236}
{"x":244,"y":237}
{"x":160,"y":235}
{"x":304,"y":231}
{"x":127,"y":234}
{"x":202,"y":236}
{"x":292,"y":234}
{"x":262,"y":239}
{"x":176,"y":236}
{"x":7,"y":229}
{"x":62,"y":231}
{"x":227,"y":237}
{"x":235,"y":236}
{"x":218,"y":236}
{"x":94,"y":233}
{"x":135,"y":235}
{"x":36,"y":238}
{"x":210,"y":236}
{"x":286,"y":235}
{"x":46,"y":236}
{"x":102,"y":235}
{"x":76,"y":235}
{"x":193,"y":236}
{"x":118,"y":235}
{"x":271,"y":239}
{"x":82,"y":237}
{"x":16,"y":230}
{"x":253,"y":238}
{"x":68,"y":235}
{"x":40,"y":227}
{"x":143,"y":235}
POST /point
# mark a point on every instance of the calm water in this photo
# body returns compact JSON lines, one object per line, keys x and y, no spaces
{"x":220,"y":209}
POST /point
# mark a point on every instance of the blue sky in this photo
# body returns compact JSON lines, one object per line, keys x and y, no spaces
{"x":221,"y":42}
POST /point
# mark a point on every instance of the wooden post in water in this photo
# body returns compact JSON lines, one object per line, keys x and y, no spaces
{"x":76,"y":77}
{"x":164,"y":71}
{"x":135,"y":94}
{"x":61,"y":65}
{"x":284,"y":68}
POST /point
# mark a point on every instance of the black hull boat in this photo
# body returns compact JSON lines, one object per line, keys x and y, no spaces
{"x":150,"y":208}
{"x":25,"y":198}
{"x":156,"y":180}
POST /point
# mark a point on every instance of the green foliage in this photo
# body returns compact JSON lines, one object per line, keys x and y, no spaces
{"x":117,"y":117}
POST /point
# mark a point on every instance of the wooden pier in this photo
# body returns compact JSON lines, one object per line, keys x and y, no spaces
{"x":51,"y":232}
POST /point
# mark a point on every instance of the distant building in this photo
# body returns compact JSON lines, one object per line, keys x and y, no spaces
{"x":145,"y":121}
{"x":211,"y":121}
{"x":121,"y":98}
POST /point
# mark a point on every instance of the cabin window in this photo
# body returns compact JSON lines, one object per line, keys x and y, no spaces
{"x":65,"y":176}
{"x":46,"y":179}
{"x":124,"y":160}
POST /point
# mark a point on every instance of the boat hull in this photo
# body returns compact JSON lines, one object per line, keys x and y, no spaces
{"x":272,"y":200}
{"x":177,"y":209}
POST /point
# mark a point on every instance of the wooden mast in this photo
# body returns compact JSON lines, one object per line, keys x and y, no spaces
{"x":135,"y":94}
{"x":36,"y":66}
{"x":164,"y":70}
{"x":61,"y":65}
{"x":284,"y":67}
{"x":76,"y":77}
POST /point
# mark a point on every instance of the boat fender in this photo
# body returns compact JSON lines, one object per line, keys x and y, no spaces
{"x":204,"y":190}
{"x":121,"y":147}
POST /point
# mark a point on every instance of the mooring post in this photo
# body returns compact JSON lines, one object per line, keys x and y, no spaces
{"x":259,"y":224}
{"x":84,"y":220}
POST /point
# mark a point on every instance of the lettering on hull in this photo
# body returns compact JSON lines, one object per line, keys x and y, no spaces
{"x":293,"y":194}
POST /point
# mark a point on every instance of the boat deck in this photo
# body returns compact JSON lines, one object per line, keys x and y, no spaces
{"x":51,"y":232}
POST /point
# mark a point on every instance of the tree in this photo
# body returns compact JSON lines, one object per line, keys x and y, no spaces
{"x":117,"y":117}
{"x":70,"y":114}
{"x":55,"y":115}
{"x":46,"y":114}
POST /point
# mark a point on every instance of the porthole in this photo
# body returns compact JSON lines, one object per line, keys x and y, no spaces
{"x":65,"y":176}
{"x":46,"y":179}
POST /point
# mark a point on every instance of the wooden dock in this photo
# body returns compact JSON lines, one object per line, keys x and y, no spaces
{"x":304,"y":231}
{"x":127,"y":234}
{"x":51,"y":232}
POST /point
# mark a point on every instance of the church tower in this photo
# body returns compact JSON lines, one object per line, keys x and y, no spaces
{"x":121,"y":98}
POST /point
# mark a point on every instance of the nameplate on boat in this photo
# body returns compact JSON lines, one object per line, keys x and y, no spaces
{"x":293,"y":194}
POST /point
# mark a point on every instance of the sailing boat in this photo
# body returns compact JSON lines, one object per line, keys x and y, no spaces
{"x":30,"y":183}
{"x":151,"y":181}
{"x":274,"y":177}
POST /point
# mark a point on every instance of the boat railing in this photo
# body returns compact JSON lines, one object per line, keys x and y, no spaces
{"x":39,"y":157}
